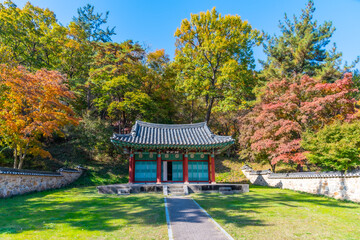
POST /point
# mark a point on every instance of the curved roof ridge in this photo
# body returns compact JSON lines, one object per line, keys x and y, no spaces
{"x":196,"y":135}
{"x":162,"y":125}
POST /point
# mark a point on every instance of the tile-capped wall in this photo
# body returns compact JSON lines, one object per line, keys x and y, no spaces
{"x":16,"y":182}
{"x":339,"y":185}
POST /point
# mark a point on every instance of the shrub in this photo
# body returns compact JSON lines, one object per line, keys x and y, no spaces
{"x":335,"y":147}
{"x":93,"y":136}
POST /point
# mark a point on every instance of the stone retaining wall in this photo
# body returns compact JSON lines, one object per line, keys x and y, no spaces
{"x":339,"y":185}
{"x":17,"y":182}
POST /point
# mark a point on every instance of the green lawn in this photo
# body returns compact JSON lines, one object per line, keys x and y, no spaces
{"x":270,"y":213}
{"x":263,"y":213}
{"x":81,"y":213}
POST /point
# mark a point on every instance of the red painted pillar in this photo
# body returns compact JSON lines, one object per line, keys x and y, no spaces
{"x":209,"y":167}
{"x":158,"y":168}
{"x":212,"y":169}
{"x":131,"y":167}
{"x":185,"y":169}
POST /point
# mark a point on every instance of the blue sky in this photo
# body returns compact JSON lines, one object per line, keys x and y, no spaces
{"x":153,"y":23}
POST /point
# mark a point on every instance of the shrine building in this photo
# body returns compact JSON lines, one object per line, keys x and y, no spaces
{"x":171,"y":153}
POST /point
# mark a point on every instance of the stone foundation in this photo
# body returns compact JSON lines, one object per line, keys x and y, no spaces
{"x":339,"y":185}
{"x":17,"y":182}
{"x":159,"y":188}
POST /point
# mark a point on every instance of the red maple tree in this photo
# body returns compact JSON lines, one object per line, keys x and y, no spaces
{"x":272,"y":129}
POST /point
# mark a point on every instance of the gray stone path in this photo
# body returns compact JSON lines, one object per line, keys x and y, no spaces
{"x":189,"y":222}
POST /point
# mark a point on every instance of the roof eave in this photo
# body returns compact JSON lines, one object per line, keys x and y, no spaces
{"x":219,"y":146}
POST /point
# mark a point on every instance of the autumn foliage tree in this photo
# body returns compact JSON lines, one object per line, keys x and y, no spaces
{"x":32,"y":106}
{"x":273,"y":129}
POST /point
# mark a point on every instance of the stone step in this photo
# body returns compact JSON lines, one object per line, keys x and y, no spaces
{"x":226,"y":190}
{"x":176,"y":192}
{"x":176,"y":187}
{"x":123,"y":191}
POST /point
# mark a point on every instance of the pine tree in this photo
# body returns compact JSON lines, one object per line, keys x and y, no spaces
{"x":302,"y":49}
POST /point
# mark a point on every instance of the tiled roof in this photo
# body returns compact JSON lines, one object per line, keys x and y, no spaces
{"x":197,"y":134}
{"x":14,"y":171}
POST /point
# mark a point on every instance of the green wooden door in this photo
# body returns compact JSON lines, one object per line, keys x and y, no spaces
{"x":177,"y":171}
{"x":145,"y":171}
{"x":198,"y":171}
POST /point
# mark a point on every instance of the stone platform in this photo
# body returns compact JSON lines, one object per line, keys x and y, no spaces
{"x":159,"y":188}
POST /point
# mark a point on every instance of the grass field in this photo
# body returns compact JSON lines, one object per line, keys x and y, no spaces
{"x":271,"y":213}
{"x":263,"y":213}
{"x":81,"y":213}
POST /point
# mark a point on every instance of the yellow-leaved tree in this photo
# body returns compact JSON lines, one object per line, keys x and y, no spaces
{"x":32,"y":106}
{"x":214,"y":56}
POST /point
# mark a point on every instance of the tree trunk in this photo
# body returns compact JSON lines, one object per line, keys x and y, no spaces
{"x":88,"y":98}
{"x":299,"y":168}
{"x":21,"y":162}
{"x":273,"y":166}
{"x":208,"y":113}
{"x":15,"y":158}
{"x":21,"y":156}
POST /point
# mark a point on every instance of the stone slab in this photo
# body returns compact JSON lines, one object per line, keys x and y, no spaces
{"x":189,"y":222}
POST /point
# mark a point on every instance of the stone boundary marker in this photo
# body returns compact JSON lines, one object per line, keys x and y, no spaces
{"x":339,"y":185}
{"x":17,"y":181}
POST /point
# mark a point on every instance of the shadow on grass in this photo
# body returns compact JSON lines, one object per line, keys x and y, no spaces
{"x":102,"y":170}
{"x":79,"y":208}
{"x":234,"y":209}
{"x":102,"y":175}
{"x":284,"y":196}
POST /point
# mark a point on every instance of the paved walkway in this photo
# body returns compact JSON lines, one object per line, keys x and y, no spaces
{"x":189,"y":222}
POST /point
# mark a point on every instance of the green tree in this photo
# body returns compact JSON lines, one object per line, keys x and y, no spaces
{"x":92,"y":136}
{"x":356,"y":80}
{"x":92,"y":23}
{"x":30,"y":36}
{"x":115,"y":79}
{"x":84,"y":32}
{"x":335,"y":147}
{"x":130,"y":84}
{"x":302,"y":49}
{"x":159,"y":83}
{"x":215,"y":60}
